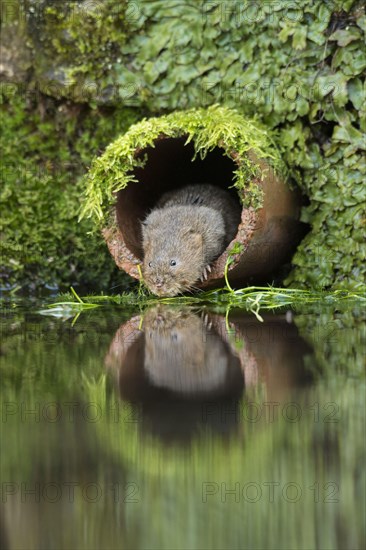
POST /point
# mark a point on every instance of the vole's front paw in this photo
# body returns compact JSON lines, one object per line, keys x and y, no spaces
{"x":205,"y":273}
{"x":206,"y":321}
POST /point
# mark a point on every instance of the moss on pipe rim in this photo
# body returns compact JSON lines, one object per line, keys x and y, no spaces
{"x":206,"y":128}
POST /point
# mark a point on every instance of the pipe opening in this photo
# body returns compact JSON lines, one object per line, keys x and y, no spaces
{"x":169,"y":166}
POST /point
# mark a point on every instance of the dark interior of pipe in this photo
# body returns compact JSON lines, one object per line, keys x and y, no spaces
{"x":169,"y":165}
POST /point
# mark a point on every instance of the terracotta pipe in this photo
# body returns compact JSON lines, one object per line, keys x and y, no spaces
{"x":271,"y":353}
{"x":269,"y":235}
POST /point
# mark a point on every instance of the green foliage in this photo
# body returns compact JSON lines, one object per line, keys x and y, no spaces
{"x":298,"y":67}
{"x":207,"y":128}
{"x":76,"y":44}
{"x":251,"y":299}
{"x":237,"y":248}
{"x":45,"y":152}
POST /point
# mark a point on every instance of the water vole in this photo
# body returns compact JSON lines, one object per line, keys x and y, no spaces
{"x":186,"y":230}
{"x":178,"y":354}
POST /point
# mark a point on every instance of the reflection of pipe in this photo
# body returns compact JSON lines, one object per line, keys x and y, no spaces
{"x":271,"y":353}
{"x":193,"y":361}
{"x":176,"y":375}
{"x":269,"y":235}
{"x":175,"y":355}
{"x":187,"y":372}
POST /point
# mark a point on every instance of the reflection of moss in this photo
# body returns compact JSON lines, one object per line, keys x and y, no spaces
{"x":206,"y":129}
{"x":51,"y":361}
{"x":45,"y":151}
{"x":338,"y":337}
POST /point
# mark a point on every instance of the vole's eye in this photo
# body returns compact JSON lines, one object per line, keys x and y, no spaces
{"x":173,"y":263}
{"x":150,"y":264}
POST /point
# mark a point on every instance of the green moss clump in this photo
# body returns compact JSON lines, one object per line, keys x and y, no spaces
{"x":46,"y":149}
{"x":76,"y":44}
{"x":206,"y":129}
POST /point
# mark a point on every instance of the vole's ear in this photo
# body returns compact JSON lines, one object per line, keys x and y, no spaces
{"x":193,"y":239}
{"x":144,"y":225}
{"x":145,"y":239}
{"x":144,"y":233}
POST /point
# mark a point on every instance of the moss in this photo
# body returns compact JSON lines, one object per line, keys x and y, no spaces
{"x":76,"y":45}
{"x":206,"y":129}
{"x":46,"y":150}
{"x":297,"y":67}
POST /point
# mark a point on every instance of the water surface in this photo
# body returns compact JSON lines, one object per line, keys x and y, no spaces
{"x":182,"y":428}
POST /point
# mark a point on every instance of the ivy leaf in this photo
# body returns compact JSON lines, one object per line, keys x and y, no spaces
{"x":302,"y":106}
{"x":361,"y":22}
{"x":299,"y":38}
{"x":356,"y":92}
{"x":334,"y":85}
{"x":153,"y":47}
{"x":285,"y":33}
{"x":167,"y":85}
{"x":358,"y":63}
{"x":316,"y":36}
{"x":154,"y":68}
{"x":343,"y":37}
{"x":126,"y":77}
{"x":211,"y":33}
{"x":208,"y":51}
{"x":324,"y":15}
{"x":349,"y":134}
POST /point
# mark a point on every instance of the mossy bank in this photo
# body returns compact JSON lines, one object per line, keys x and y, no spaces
{"x":46,"y":148}
{"x":297,"y":67}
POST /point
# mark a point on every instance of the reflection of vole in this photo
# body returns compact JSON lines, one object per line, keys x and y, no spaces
{"x":179,"y":357}
{"x":186,"y":230}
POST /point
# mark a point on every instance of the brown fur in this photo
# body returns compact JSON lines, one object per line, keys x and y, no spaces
{"x":190,"y":226}
{"x":179,"y":356}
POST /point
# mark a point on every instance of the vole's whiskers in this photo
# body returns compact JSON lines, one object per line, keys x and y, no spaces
{"x":192,"y":289}
{"x":116,"y":286}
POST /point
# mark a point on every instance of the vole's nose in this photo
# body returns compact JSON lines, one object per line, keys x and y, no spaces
{"x":159,"y":282}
